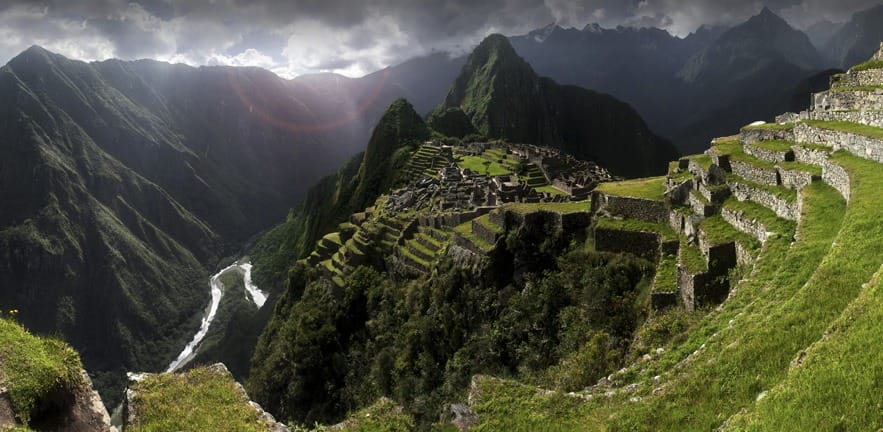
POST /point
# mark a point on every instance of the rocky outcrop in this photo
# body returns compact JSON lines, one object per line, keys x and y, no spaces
{"x":71,"y":410}
{"x":130,"y":408}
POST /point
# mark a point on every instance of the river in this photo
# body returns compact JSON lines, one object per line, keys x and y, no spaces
{"x":216,"y":290}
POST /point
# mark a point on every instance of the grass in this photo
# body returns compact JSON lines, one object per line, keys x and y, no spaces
{"x":647,"y":188}
{"x":784,"y":193}
{"x":864,"y":88}
{"x":664,"y":230}
{"x":771,"y":126}
{"x":848,"y":127}
{"x":765,"y":216}
{"x":718,"y":231}
{"x":485,"y":221}
{"x":551,"y":190}
{"x":32,"y":367}
{"x":797,"y":166}
{"x":201,"y":399}
{"x":477,"y":164}
{"x":562,"y":208}
{"x":691,"y":258}
{"x":835,"y":389}
{"x":333,"y":238}
{"x":666,"y":279}
{"x":872,"y":64}
{"x":676,"y":174}
{"x":383,"y":416}
{"x":465,"y":230}
{"x":704,"y":161}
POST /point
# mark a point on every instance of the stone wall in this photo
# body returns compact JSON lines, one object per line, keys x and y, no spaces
{"x":748,"y":226}
{"x":859,"y":145}
{"x":848,"y":100}
{"x":834,"y":175}
{"x":766,"y":176}
{"x":751,"y":136}
{"x":489,"y":236}
{"x":868,"y":77}
{"x":784,"y":209}
{"x":795,"y":179}
{"x":669,"y":247}
{"x":744,"y":256}
{"x":769,"y":155}
{"x":642,"y":244}
{"x":715,"y":195}
{"x":870,"y":118}
{"x":678,"y":192}
{"x":701,"y":289}
{"x":636,"y":208}
{"x":810,"y":156}
{"x":700,"y":207}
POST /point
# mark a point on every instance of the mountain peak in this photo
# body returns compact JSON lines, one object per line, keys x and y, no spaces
{"x":767,"y":17}
{"x":34,"y":52}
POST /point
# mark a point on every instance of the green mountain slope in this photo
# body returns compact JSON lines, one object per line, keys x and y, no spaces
{"x":357,"y":183}
{"x":503,"y":97}
{"x":124,"y":183}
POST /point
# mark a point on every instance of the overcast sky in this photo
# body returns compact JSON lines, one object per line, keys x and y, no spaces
{"x":352,"y":37}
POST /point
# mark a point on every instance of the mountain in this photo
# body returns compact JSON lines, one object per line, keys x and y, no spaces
{"x":504,"y":98}
{"x":124,"y":183}
{"x":330,"y":202}
{"x":739,"y":78}
{"x":617,"y":61}
{"x":822,"y":32}
{"x":857,"y":39}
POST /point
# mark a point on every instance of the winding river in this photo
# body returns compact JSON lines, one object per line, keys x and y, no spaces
{"x":252,"y":293}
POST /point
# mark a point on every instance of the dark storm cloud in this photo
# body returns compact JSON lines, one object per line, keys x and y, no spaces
{"x":353,"y":37}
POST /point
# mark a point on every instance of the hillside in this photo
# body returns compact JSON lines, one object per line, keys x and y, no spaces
{"x":124,"y":183}
{"x":503,"y":97}
{"x":857,"y":39}
{"x":727,"y":294}
{"x":806,"y":291}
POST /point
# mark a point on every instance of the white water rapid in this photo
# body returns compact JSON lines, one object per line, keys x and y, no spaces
{"x":257,"y":296}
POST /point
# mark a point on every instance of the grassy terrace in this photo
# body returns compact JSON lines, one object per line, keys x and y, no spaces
{"x":31,"y":367}
{"x":765,"y":216}
{"x":838,"y":391}
{"x":784,"y":193}
{"x":691,"y":258}
{"x":814,"y":146}
{"x":563,"y":208}
{"x":797,"y":166}
{"x":865,"y":88}
{"x":647,"y":188}
{"x":718,"y":231}
{"x":703,"y":160}
{"x":200,"y":399}
{"x":737,"y":153}
{"x":666,"y":279}
{"x":465,"y":230}
{"x":771,"y":126}
{"x":842,"y":126}
{"x":550,"y":190}
{"x":782,"y":308}
{"x":872,"y":64}
{"x":677,"y":174}
{"x":665,"y":231}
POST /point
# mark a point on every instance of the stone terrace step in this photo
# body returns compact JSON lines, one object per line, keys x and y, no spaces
{"x":428,"y":241}
{"x":870,"y":118}
{"x":781,"y":200}
{"x":767,"y":132}
{"x":419,"y":250}
{"x":860,"y":140}
{"x":848,"y":98}
{"x":858,"y":78}
{"x":755,"y":220}
{"x":771,"y":151}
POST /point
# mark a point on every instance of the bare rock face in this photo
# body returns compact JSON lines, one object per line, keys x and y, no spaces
{"x":77,"y":410}
{"x":7,"y":415}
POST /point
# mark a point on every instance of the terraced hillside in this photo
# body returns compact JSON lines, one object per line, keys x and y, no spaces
{"x":772,"y":239}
